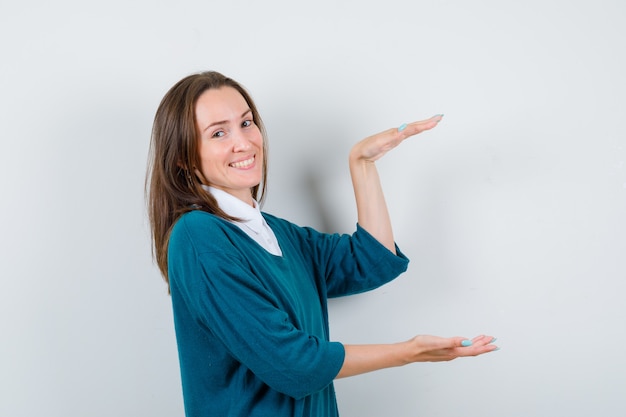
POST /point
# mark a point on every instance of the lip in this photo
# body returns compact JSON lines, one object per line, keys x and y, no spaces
{"x":244,"y":163}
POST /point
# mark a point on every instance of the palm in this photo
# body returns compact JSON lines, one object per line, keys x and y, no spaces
{"x":376,"y":146}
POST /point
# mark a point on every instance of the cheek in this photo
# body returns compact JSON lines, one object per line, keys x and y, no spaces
{"x":210,"y":157}
{"x":258,"y":138}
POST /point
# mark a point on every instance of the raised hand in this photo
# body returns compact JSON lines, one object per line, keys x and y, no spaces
{"x":372,"y":211}
{"x":374,"y":147}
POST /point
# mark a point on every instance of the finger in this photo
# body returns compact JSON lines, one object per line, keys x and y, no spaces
{"x":428,"y":123}
{"x":391,"y":138}
{"x":483,"y":340}
{"x":436,"y":343}
{"x":460,"y":342}
{"x":420,"y":126}
{"x":480,"y":345}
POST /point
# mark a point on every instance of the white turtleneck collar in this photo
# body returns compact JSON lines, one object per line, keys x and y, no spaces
{"x":253,"y":223}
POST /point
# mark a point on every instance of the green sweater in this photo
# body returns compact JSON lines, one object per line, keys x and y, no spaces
{"x":252,"y":327}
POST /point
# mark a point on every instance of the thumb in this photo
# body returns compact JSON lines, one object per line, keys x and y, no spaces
{"x":462,"y":342}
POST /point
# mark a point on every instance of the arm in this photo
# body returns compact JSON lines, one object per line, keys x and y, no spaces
{"x":374,"y":217}
{"x":360,"y":359}
{"x":370,"y":201}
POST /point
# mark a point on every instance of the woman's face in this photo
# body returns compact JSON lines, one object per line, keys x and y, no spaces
{"x":231,"y":145}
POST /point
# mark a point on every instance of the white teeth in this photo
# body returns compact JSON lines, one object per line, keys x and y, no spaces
{"x":242,"y":164}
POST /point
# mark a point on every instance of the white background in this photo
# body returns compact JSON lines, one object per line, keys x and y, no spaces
{"x":512,"y":211}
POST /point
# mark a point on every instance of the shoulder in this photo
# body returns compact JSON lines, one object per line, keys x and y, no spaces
{"x":274,"y":221}
{"x":303,"y":238}
{"x":196,"y":221}
{"x":284,"y":227}
{"x":200,"y":230}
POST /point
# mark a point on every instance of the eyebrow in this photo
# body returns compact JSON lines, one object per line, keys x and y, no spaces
{"x":221,"y":122}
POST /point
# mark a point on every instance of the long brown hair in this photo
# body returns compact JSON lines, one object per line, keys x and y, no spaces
{"x":172,"y":187}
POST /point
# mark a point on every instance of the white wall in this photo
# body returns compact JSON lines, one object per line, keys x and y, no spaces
{"x":513,"y":211}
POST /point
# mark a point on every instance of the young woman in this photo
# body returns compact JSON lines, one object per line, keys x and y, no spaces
{"x":249,"y":290}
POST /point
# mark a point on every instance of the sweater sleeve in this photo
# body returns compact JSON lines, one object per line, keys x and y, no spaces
{"x":356,"y":263}
{"x":231,"y":303}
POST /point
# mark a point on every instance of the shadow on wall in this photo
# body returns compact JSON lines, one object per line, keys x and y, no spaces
{"x":308,"y":173}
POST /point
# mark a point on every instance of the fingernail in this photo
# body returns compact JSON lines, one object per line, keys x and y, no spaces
{"x":466,"y":343}
{"x":402,"y":127}
{"x":438,"y":115}
{"x":493,"y":340}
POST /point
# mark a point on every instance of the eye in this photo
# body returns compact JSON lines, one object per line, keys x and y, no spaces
{"x":218,"y":134}
{"x":246,"y":123}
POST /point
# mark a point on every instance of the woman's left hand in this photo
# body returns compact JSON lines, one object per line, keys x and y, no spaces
{"x":426,"y":348}
{"x":374,"y":147}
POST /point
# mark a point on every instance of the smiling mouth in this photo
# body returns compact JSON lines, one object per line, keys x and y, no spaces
{"x":243,"y":164}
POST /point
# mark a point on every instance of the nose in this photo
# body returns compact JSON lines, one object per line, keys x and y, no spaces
{"x":240,"y":141}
